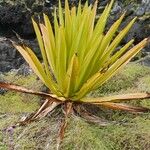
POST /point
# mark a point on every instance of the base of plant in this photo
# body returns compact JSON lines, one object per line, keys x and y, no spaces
{"x":77,"y":108}
{"x":68,"y":109}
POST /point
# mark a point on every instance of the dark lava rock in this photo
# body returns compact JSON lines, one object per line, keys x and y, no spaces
{"x":17,"y":15}
{"x":145,"y":61}
{"x":140,"y":11}
{"x":139,"y":31}
{"x":2,"y":91}
{"x":29,"y":3}
{"x":117,"y":8}
{"x":15,"y":18}
{"x":24,"y":70}
{"x":9,"y":58}
{"x":141,"y":28}
{"x":143,"y":8}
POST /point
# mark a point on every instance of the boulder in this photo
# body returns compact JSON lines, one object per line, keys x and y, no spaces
{"x":16,"y":16}
{"x":141,"y":28}
{"x":10,"y":57}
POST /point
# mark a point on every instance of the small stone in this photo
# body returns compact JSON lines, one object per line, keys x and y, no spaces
{"x":140,"y":11}
{"x":145,"y":61}
{"x":24,"y":70}
{"x":2,"y":91}
{"x":145,"y":1}
{"x":117,"y":8}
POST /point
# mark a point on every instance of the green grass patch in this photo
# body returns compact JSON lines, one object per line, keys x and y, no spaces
{"x":126,"y":132}
{"x":126,"y":78}
{"x":12,"y":102}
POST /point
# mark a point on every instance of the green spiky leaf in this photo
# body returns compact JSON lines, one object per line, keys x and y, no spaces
{"x":78,"y":53}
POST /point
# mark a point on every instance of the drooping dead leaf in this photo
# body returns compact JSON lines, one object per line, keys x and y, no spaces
{"x":125,"y":107}
{"x":67,"y":111}
{"x":89,"y":117}
{"x":117,"y":98}
{"x":18,"y":88}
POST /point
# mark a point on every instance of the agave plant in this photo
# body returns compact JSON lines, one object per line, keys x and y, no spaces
{"x":78,"y":57}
